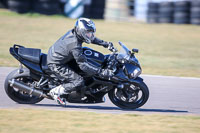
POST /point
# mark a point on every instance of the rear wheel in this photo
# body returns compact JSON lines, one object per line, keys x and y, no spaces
{"x":17,"y":95}
{"x":131,"y":97}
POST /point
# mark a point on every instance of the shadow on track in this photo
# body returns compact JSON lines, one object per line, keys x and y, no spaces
{"x":103,"y":108}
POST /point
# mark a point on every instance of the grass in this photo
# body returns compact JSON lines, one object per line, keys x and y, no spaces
{"x":32,"y":121}
{"x":165,"y":49}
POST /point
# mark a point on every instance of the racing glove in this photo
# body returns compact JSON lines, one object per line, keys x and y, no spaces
{"x":111,"y":47}
{"x":105,"y":44}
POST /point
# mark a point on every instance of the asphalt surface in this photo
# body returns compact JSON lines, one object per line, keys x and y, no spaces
{"x":176,"y":95}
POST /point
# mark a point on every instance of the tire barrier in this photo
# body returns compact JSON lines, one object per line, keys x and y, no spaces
{"x":165,"y":12}
{"x":152,"y":13}
{"x":20,"y":6}
{"x":50,"y":7}
{"x":47,"y":7}
{"x":180,"y":12}
{"x":97,"y":9}
{"x":87,"y":11}
{"x":131,"y":5}
{"x":195,"y":12}
{"x":3,"y":4}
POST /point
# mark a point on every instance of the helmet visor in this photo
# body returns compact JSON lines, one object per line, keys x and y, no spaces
{"x":90,"y":35}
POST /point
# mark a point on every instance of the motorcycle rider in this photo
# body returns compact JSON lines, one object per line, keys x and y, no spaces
{"x":69,"y":47}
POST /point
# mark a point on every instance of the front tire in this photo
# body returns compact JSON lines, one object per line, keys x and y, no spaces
{"x":130,"y":97}
{"x":15,"y":94}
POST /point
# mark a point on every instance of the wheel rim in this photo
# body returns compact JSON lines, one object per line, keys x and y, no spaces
{"x":131,"y":97}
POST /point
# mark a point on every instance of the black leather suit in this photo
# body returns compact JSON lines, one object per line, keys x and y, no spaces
{"x":65,"y":49}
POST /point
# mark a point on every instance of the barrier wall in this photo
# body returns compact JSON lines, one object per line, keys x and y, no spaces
{"x":179,"y":12}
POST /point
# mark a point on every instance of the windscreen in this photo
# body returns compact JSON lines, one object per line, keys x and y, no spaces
{"x":124,"y":53}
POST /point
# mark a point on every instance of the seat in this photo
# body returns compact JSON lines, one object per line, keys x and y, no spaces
{"x":30,"y":54}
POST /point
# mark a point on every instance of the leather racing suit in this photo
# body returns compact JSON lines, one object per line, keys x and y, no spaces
{"x":65,"y":49}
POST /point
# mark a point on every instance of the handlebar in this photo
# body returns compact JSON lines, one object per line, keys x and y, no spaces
{"x":111,"y":59}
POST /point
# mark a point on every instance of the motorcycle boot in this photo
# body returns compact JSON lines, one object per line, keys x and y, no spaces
{"x":56,"y":92}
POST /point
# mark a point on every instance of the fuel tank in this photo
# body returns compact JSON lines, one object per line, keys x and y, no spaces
{"x":94,"y":55}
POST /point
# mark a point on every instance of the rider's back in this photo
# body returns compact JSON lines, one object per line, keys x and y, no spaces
{"x":59,"y":52}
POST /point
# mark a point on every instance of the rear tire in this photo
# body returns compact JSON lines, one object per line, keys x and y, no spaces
{"x":138,"y":101}
{"x":19,"y":96}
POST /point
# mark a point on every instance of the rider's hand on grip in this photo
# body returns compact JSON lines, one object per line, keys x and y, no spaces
{"x":111,"y":47}
{"x":104,"y":44}
{"x":106,"y":73}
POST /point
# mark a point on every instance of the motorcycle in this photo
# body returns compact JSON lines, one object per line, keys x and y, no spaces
{"x":32,"y":83}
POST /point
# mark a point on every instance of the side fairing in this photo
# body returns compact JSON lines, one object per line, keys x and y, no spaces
{"x":120,"y":76}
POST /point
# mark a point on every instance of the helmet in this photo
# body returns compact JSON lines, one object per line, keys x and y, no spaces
{"x":85,"y":30}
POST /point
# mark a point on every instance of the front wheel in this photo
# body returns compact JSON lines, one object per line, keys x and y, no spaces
{"x":131,"y":97}
{"x":17,"y":95}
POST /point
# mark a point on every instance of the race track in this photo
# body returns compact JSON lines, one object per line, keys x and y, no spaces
{"x":167,"y":95}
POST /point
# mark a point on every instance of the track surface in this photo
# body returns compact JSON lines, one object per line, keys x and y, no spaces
{"x":167,"y":95}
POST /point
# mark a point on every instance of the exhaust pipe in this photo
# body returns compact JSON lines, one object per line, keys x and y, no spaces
{"x":21,"y":86}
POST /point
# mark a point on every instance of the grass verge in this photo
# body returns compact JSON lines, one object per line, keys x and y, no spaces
{"x":32,"y":121}
{"x":165,"y":49}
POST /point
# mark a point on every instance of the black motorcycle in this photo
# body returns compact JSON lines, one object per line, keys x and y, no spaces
{"x":32,"y":83}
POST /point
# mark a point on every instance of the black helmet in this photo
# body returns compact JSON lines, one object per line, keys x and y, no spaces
{"x":85,"y":29}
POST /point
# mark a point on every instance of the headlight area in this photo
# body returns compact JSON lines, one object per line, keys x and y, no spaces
{"x":131,"y":70}
{"x":136,"y":72}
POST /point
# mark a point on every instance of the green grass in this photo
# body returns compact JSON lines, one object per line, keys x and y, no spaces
{"x":38,"y":121}
{"x":165,"y":49}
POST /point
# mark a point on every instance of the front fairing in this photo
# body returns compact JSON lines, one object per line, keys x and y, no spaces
{"x":119,"y":76}
{"x":125,"y":56}
{"x":131,"y":66}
